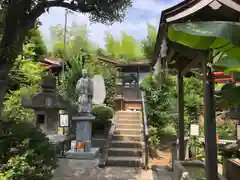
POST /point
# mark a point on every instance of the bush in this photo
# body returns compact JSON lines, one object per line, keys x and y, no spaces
{"x":72,"y":75}
{"x":26,"y":153}
{"x":25,"y":79}
{"x":226,"y":128}
{"x":193,"y":98}
{"x":153,"y":141}
{"x":102,"y":112}
{"x":169,"y":130}
{"x":13,"y":101}
{"x":160,"y":103}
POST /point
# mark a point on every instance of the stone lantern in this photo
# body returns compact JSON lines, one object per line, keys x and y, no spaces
{"x":46,"y":105}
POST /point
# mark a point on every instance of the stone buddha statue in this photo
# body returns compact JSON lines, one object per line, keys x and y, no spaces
{"x":84,"y":89}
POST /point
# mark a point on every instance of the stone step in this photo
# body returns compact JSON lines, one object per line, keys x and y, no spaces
{"x":127,"y":113}
{"x":128,"y":131}
{"x":128,"y":121}
{"x":127,"y":137}
{"x":124,"y":161}
{"x":126,"y":144}
{"x":129,"y":126}
{"x":125,"y":152}
{"x":128,"y":117}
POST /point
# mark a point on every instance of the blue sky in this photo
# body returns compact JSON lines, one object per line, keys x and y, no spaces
{"x":135,"y":23}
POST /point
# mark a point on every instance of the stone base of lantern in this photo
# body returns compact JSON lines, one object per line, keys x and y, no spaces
{"x":82,"y":155}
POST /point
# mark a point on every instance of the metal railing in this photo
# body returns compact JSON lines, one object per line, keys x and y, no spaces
{"x":145,"y":131}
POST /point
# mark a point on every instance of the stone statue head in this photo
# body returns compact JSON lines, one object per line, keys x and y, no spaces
{"x":84,"y":73}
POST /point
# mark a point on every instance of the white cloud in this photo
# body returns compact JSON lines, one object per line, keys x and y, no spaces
{"x":135,"y":23}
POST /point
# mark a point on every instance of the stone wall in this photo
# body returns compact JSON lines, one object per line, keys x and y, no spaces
{"x":180,"y":171}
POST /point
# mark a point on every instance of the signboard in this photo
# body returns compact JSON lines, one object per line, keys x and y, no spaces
{"x":63,"y":120}
{"x":194,"y":130}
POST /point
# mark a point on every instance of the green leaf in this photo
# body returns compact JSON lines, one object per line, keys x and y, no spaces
{"x":216,"y":35}
{"x":226,"y":62}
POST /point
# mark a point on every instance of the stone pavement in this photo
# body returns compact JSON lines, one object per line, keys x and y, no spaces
{"x":71,"y":169}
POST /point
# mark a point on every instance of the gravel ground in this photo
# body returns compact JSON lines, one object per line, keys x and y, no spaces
{"x":71,"y":169}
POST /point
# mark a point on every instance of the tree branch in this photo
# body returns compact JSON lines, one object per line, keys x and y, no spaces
{"x":40,"y":8}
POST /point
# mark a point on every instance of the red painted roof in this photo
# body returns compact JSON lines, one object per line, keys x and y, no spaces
{"x":118,"y":63}
{"x":53,"y":61}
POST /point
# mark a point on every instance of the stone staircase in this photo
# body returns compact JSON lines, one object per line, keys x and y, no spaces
{"x":126,"y":145}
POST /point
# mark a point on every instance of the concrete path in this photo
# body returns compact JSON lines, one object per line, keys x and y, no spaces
{"x":88,"y":170}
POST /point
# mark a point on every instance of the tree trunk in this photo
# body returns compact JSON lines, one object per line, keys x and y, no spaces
{"x":10,"y":47}
{"x":4,"y":70}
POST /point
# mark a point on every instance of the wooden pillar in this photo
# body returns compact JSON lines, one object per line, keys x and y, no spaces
{"x":181,"y":116}
{"x":210,"y":125}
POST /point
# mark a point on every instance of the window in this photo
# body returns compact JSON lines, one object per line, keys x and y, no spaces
{"x":40,"y":119}
{"x":130,"y":79}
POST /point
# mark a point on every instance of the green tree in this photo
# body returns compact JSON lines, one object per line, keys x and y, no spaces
{"x":126,"y":49}
{"x":34,"y":37}
{"x":160,"y":103}
{"x":150,"y":41}
{"x":68,"y":86}
{"x":20,"y":16}
{"x":25,"y":79}
{"x":76,"y":41}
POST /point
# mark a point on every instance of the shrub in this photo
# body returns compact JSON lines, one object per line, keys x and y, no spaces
{"x":229,"y":97}
{"x":193,"y":98}
{"x":13,"y":101}
{"x":153,"y":140}
{"x":26,"y":153}
{"x":102,"y":112}
{"x":226,"y":128}
{"x":25,"y":79}
{"x":169,"y":130}
{"x":159,"y":102}
{"x":71,"y":76}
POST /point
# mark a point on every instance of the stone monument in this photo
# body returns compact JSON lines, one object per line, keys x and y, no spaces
{"x":82,"y":148}
{"x":46,"y":105}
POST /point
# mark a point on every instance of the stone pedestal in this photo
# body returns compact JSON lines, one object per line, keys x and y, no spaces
{"x":84,"y":130}
{"x":84,"y":135}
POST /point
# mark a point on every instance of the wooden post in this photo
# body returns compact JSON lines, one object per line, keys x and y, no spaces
{"x":210,"y":126}
{"x":181,"y":117}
